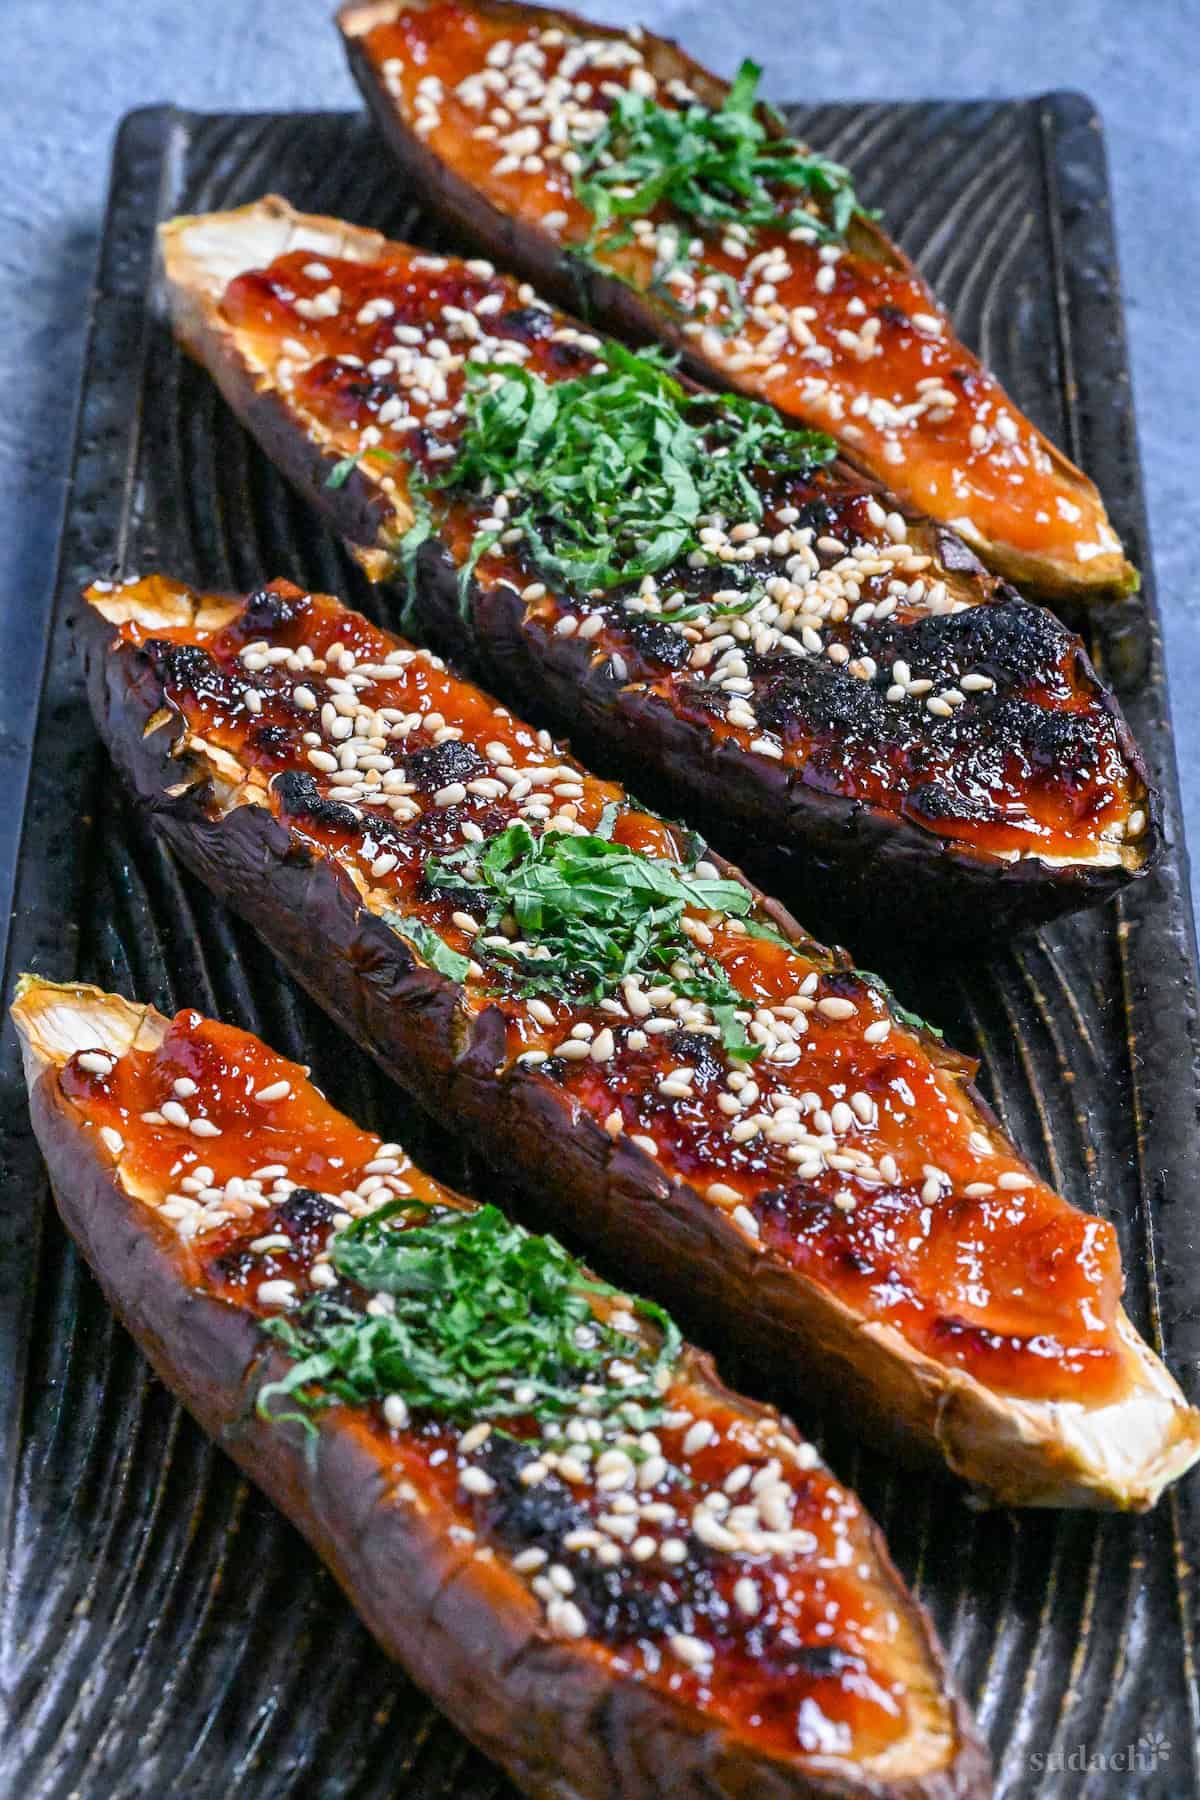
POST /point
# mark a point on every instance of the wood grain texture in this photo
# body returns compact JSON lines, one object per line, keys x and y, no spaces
{"x":161,"y":1631}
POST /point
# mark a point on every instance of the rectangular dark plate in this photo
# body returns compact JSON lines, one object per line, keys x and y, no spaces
{"x":163,"y":1631}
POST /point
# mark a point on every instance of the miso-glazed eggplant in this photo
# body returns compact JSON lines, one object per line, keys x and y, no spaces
{"x":831,"y":688}
{"x":619,"y":174}
{"x":733,"y":1119}
{"x":615,"y":1575}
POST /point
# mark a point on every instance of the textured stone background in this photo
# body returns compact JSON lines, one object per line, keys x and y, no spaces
{"x":74,"y":66}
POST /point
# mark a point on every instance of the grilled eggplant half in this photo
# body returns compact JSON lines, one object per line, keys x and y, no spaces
{"x":617,"y":1577}
{"x":607,"y":163}
{"x":692,"y":587}
{"x":658,"y":1055}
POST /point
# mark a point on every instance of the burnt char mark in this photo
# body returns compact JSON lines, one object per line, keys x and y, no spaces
{"x":823,"y":699}
{"x":619,"y":1605}
{"x":237,"y":1267}
{"x":267,"y":610}
{"x":305,"y":1216}
{"x":187,"y":666}
{"x":270,"y":740}
{"x":934,"y":802}
{"x":659,"y":644}
{"x":301,"y":799}
{"x":440,"y":764}
{"x":521,"y":1516}
{"x":701,"y":1050}
{"x":1018,"y":645}
{"x":821,"y":1660}
{"x":1066,"y":742}
{"x":524,"y":323}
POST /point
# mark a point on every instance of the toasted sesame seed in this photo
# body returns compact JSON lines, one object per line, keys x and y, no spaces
{"x":477,"y":1481}
{"x":691,"y":1650}
{"x":565,"y":1618}
{"x":112,"y":1140}
{"x":834,"y":1007}
{"x":746,"y":1597}
{"x":278,"y":1090}
{"x":276,"y":1293}
{"x":395,"y":1411}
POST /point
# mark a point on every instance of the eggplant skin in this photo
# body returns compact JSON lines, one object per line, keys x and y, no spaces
{"x":582,"y":288}
{"x":564,"y":1725}
{"x":805,"y":841}
{"x":657,"y":1233}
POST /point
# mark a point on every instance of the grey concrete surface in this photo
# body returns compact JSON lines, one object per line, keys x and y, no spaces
{"x":72,"y":67}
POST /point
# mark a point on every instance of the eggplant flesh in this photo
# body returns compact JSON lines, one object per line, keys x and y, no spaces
{"x":963,"y":452}
{"x":261,"y":841}
{"x":793,"y":786}
{"x":194,"y":1281}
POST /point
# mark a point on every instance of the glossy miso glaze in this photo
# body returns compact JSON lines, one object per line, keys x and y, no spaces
{"x":998,"y":740}
{"x":871,"y":1170}
{"x":820,"y":1666}
{"x":846,"y":336}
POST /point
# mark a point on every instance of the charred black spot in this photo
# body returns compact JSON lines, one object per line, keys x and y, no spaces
{"x":440,"y":764}
{"x":237,"y":1266}
{"x":821,"y":698}
{"x":179,"y":665}
{"x":522,"y":1516}
{"x":301,"y":799}
{"x":271,"y":739}
{"x":934,"y":802}
{"x":891,"y":314}
{"x":1067,"y":742}
{"x":568,"y":356}
{"x":659,"y":643}
{"x":820,"y":516}
{"x":621,"y":1607}
{"x":1008,"y":639}
{"x":701,"y":1051}
{"x":821,"y":1660}
{"x":527,"y":323}
{"x":267,"y":609}
{"x":306,"y":1216}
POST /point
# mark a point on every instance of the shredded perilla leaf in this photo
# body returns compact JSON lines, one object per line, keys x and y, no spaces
{"x":586,"y":913}
{"x":610,"y":475}
{"x":488,"y":1322}
{"x":715,"y":168}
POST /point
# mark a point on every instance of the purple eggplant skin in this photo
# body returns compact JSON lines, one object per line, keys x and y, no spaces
{"x":563,"y":1725}
{"x":618,"y":1740}
{"x":796,"y":839}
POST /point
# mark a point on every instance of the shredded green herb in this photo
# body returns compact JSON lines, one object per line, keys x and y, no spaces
{"x":341,"y":471}
{"x":430,"y":946}
{"x":611,"y":473}
{"x":713,"y":167}
{"x":489,"y":1322}
{"x":901,"y":1014}
{"x":587,"y":912}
